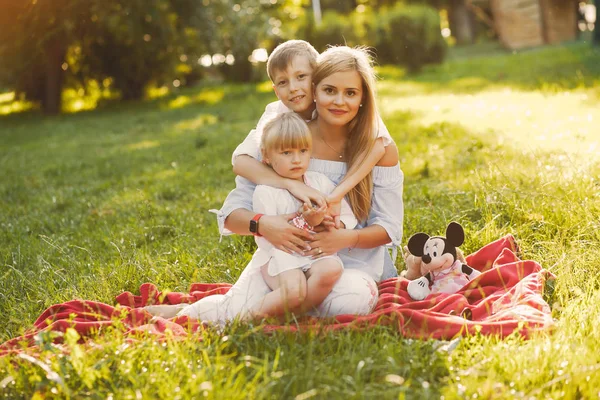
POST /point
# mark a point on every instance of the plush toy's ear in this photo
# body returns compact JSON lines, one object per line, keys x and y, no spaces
{"x":416,"y":243}
{"x":455,"y":235}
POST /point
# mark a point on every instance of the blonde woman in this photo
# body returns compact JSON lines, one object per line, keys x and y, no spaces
{"x":344,"y":133}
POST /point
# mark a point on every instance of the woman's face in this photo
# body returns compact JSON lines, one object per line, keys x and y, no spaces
{"x":338,"y":97}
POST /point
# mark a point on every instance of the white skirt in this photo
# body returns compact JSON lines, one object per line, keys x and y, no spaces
{"x":354,"y":293}
{"x":281,"y":262}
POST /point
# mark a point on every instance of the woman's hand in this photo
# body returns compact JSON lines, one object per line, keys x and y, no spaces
{"x":284,"y":236}
{"x":305,"y":194}
{"x":331,"y":241}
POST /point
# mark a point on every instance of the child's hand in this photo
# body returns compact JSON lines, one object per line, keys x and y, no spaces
{"x":305,"y":193}
{"x":313,"y":216}
{"x":335,"y":209}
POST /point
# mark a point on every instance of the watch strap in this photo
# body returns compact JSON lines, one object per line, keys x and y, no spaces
{"x":254,"y":224}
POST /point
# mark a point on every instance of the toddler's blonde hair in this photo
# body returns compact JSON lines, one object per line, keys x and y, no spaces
{"x":282,"y":56}
{"x":285,"y":131}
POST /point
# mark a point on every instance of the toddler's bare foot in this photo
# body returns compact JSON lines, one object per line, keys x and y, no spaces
{"x":165,"y":310}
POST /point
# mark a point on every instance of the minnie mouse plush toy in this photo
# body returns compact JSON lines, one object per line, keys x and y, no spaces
{"x":444,"y":273}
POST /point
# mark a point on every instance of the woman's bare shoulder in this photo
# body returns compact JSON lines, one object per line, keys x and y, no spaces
{"x":390,"y":157}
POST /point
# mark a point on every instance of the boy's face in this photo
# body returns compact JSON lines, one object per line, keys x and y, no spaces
{"x":293,"y":86}
{"x":288,"y":163}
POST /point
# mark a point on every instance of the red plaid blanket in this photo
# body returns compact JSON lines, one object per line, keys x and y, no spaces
{"x":505,"y":298}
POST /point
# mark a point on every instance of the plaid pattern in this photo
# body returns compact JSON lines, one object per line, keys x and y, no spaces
{"x":505,"y":298}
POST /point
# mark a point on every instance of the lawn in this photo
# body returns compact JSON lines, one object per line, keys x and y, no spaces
{"x":98,"y":202}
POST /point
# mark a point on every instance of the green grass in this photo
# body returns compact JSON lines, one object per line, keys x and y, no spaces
{"x":98,"y":202}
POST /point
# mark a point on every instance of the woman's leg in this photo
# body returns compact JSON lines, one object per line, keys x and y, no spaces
{"x":249,"y":288}
{"x":354,"y":293}
{"x":389,"y":269}
{"x":209,"y":309}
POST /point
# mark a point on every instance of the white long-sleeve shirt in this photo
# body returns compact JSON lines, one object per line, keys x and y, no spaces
{"x":251,"y":145}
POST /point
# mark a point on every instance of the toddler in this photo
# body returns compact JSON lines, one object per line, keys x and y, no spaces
{"x":298,"y":283}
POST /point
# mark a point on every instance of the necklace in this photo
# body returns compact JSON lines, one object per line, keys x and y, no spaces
{"x":328,"y":145}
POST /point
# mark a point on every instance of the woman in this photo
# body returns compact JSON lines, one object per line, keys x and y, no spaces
{"x":343,"y":134}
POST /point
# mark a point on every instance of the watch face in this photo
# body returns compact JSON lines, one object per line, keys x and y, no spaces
{"x":253,"y":226}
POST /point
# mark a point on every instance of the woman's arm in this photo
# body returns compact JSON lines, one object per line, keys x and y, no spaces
{"x":331,"y":241}
{"x":384,"y":224}
{"x":260,"y":174}
{"x":275,"y":228}
{"x":358,"y":172}
{"x":235,"y":215}
{"x":383,"y":156}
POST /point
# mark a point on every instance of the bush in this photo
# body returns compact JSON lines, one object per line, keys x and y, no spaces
{"x":335,"y":29}
{"x":410,"y":36}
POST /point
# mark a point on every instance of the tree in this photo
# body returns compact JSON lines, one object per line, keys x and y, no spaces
{"x":240,"y":28}
{"x":46,"y":44}
{"x":35,"y":39}
{"x":461,"y":21}
{"x":138,"y":43}
{"x":343,"y":7}
{"x":597,"y":24}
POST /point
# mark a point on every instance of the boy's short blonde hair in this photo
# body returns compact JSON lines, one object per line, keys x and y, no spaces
{"x":283,"y":55}
{"x":285,"y":131}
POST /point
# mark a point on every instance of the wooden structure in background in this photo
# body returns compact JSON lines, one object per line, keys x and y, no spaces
{"x":528,"y":23}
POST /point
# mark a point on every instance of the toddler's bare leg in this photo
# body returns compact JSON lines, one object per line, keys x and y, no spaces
{"x":271,"y":281}
{"x":289,"y":292}
{"x":322,"y":275}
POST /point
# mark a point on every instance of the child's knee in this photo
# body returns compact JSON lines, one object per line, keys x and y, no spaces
{"x":295,"y":295}
{"x":294,"y":292}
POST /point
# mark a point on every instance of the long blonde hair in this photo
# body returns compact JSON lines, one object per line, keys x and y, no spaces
{"x":362,"y":130}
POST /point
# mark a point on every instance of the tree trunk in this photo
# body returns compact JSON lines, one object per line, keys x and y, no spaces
{"x":56,"y":51}
{"x":461,"y":22}
{"x":597,"y":24}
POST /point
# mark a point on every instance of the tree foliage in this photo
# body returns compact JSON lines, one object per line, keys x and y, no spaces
{"x":128,"y":45}
{"x":132,"y":43}
{"x":241,"y":27}
{"x":596,"y":40}
{"x":411,"y":37}
{"x":34,"y":42}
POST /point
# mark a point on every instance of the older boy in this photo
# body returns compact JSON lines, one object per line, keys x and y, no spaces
{"x":290,"y":68}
